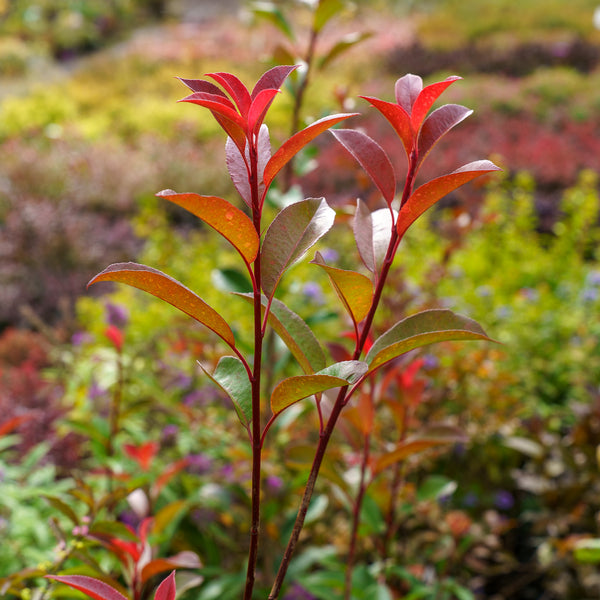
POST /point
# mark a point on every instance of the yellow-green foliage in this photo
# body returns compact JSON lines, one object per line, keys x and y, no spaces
{"x":449,"y":23}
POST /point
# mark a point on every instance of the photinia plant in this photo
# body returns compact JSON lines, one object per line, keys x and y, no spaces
{"x":267,"y":251}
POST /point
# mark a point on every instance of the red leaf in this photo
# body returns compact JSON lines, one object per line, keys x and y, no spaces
{"x":220,"y":105}
{"x":166,"y":590}
{"x":398,"y":118}
{"x":273,"y":79}
{"x":258,"y":109}
{"x":294,"y":144}
{"x":170,"y":290}
{"x":236,"y":89}
{"x":143,"y":454}
{"x":437,"y":124}
{"x":371,"y":157}
{"x":13,"y":423}
{"x":407,"y":90}
{"x":429,"y":193}
{"x":92,"y":587}
{"x":115,"y":335}
{"x":426,"y":99}
{"x":201,"y":85}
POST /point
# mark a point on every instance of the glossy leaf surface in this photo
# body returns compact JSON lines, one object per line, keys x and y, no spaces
{"x":371,"y":157}
{"x":354,"y":289}
{"x":222,"y":216}
{"x":93,"y":588}
{"x":235,"y":88}
{"x":437,"y":124}
{"x":170,"y":290}
{"x":294,"y":144}
{"x":293,"y":231}
{"x":426,"y":98}
{"x":429,"y":193}
{"x":272,"y":79}
{"x":231,"y":376}
{"x":427,"y":327}
{"x":295,"y":334}
{"x":362,"y":227}
{"x":398,"y":118}
{"x":407,"y":90}
{"x":293,"y":389}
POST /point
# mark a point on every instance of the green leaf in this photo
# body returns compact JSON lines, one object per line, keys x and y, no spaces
{"x":429,"y":193}
{"x":62,"y":507}
{"x":295,"y":334}
{"x":291,"y":234}
{"x":222,"y":216}
{"x":588,"y":551}
{"x":326,"y":9}
{"x":170,"y":290}
{"x":232,"y":377}
{"x":293,"y":389}
{"x":270,"y":12}
{"x":427,"y":327}
{"x":434,"y":487}
{"x":354,"y":289}
{"x":342,"y":45}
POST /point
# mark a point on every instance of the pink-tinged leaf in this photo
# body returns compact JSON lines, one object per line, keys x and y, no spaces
{"x":398,"y":118}
{"x":382,"y":233}
{"x":354,"y":289}
{"x":422,"y":329}
{"x":273,"y":79}
{"x":429,"y":193}
{"x":236,"y":89}
{"x":362,"y":227}
{"x":183,"y":560}
{"x":93,"y":588}
{"x":294,"y":144}
{"x":291,"y":234}
{"x":407,"y":90}
{"x":238,"y":170}
{"x":294,"y":389}
{"x":372,"y":158}
{"x":259,"y":107}
{"x":166,"y":590}
{"x":222,"y":216}
{"x":426,"y":99}
{"x":437,"y":124}
{"x":295,"y":334}
{"x":234,"y":131}
{"x":201,"y":85}
{"x":263,"y":149}
{"x":170,"y":290}
{"x":410,"y":447}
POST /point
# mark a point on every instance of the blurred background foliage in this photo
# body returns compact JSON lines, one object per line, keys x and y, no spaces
{"x":90,"y":131}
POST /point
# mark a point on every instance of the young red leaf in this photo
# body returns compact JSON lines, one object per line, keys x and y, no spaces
{"x":170,"y":290}
{"x":294,"y":389}
{"x":258,"y":109}
{"x":222,"y":216}
{"x":429,"y":193}
{"x":416,"y":331}
{"x":295,"y":334}
{"x":201,"y":85}
{"x":12,"y":423}
{"x":407,"y":90}
{"x":294,"y":144}
{"x":398,"y":118}
{"x":426,"y":99}
{"x":354,"y":289}
{"x":273,"y":79}
{"x":166,"y":590}
{"x":236,"y":89}
{"x":219,"y":105}
{"x":372,"y":157}
{"x":234,"y":131}
{"x":291,"y":234}
{"x":93,"y":588}
{"x":143,"y":454}
{"x":437,"y":124}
